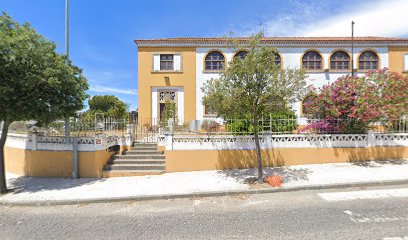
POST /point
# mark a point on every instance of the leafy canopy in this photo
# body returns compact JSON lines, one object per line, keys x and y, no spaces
{"x":35,"y":81}
{"x":108,"y":105}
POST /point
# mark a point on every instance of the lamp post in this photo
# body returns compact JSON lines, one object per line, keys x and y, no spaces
{"x":67,"y":123}
{"x":352,"y":48}
{"x":67,"y":127}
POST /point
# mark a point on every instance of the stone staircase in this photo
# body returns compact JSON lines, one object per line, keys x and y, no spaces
{"x":142,"y":159}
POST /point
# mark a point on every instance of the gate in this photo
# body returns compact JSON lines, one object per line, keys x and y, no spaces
{"x":146,"y":130}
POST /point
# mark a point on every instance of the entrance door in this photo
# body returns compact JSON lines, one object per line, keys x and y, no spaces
{"x":167,"y":105}
{"x":162,"y":108}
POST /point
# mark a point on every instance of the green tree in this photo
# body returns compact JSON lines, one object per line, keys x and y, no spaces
{"x":108,"y":105}
{"x":251,"y":86}
{"x":35,"y":81}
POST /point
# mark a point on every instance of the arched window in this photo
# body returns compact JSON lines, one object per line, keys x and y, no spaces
{"x":340,"y":60}
{"x":214,"y":61}
{"x":277,"y":59}
{"x":368,"y":60}
{"x":312,"y":60}
{"x":306,"y":102}
{"x":241,"y":54}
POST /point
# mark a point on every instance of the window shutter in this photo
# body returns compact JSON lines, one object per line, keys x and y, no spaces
{"x":177,"y":62}
{"x":156,"y":62}
{"x":406,"y":62}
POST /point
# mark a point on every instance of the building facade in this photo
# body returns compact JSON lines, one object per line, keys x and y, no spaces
{"x":174,"y":69}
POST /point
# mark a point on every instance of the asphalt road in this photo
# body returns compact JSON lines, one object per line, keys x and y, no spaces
{"x":382,"y":214}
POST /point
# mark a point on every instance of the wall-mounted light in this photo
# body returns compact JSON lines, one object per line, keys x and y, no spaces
{"x":167,"y":80}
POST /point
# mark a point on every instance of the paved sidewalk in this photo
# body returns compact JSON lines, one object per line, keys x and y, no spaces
{"x":45,"y":191}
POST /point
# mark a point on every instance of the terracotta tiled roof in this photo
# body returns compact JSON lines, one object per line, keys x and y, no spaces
{"x":271,"y":40}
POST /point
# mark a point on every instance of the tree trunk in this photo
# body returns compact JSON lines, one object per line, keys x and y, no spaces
{"x":258,"y":151}
{"x":4,"y":131}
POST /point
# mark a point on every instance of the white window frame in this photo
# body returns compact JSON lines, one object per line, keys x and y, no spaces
{"x":177,"y":62}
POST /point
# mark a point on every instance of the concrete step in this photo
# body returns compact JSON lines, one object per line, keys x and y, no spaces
{"x":145,"y":144}
{"x":139,"y":157}
{"x":133,"y":166}
{"x":143,"y":152}
{"x":130,"y":173}
{"x":137,"y":148}
{"x":137,"y":161}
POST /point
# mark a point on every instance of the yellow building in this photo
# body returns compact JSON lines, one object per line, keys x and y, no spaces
{"x":175,"y":69}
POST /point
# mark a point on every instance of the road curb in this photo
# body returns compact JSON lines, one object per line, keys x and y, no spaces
{"x":200,"y":194}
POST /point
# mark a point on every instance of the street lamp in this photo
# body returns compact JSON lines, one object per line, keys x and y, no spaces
{"x":67,"y":127}
{"x":67,"y":123}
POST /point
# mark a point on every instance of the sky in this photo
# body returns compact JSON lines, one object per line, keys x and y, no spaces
{"x":102,"y":32}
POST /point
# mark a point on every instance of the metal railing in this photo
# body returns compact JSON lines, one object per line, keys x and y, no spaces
{"x":78,"y":127}
{"x":148,"y":129}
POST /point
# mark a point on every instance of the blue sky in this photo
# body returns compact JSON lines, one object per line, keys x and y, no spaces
{"x":102,"y":32}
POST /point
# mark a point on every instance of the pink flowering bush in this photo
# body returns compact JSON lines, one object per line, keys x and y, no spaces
{"x":351,"y":104}
{"x":321,"y":126}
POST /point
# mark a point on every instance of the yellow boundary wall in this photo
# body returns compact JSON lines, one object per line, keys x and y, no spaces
{"x":195,"y":160}
{"x":40,"y":163}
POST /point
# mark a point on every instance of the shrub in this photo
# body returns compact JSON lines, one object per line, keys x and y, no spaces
{"x":238,"y":126}
{"x":277,"y":121}
{"x":210,"y":126}
{"x":351,"y":105}
{"x":283,"y":121}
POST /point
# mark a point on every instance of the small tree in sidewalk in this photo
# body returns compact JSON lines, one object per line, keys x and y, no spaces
{"x":251,"y":85}
{"x":35,"y":81}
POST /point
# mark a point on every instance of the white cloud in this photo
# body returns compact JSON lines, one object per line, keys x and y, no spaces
{"x":380,"y":18}
{"x":111,"y":82}
{"x":99,"y":76}
{"x":292,"y":21}
{"x":373,"y":18}
{"x":110,"y":90}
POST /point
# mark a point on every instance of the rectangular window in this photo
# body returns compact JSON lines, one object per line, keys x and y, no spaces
{"x":406,"y":62}
{"x":208,"y":110}
{"x":166,"y":62}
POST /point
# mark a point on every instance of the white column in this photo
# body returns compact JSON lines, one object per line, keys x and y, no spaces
{"x":154,"y":105}
{"x":370,"y":138}
{"x":168,"y":141}
{"x":180,"y":105}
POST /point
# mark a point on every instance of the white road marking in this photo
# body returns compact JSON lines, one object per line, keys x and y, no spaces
{"x":255,"y":202}
{"x":395,"y":238}
{"x":360,"y":218}
{"x":367,"y":194}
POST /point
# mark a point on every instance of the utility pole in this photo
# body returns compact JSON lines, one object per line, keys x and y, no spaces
{"x":67,"y":29}
{"x":67,"y":127}
{"x":352,"y":48}
{"x":67,"y":123}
